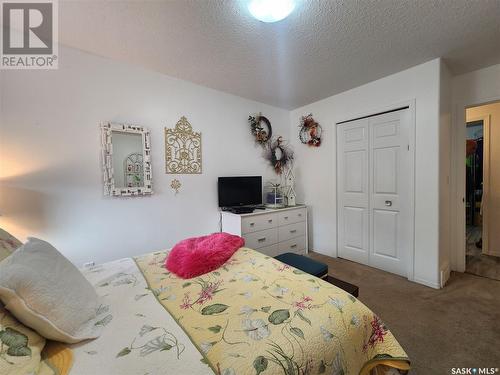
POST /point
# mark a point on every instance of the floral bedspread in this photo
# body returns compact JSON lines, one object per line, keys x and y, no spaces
{"x":256,"y":315}
{"x":139,"y":336}
{"x":20,"y":347}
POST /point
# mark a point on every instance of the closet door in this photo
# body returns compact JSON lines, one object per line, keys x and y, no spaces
{"x":390,"y":221}
{"x":374,"y":191}
{"x":353,"y":190}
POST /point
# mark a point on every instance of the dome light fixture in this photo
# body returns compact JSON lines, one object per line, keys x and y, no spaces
{"x":271,"y":10}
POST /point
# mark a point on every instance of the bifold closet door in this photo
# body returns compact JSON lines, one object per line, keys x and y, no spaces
{"x":353,"y":193}
{"x":390,"y":221}
{"x":374,"y":200}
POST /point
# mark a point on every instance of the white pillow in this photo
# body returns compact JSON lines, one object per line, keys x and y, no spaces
{"x":46,"y":292}
{"x":8,"y":243}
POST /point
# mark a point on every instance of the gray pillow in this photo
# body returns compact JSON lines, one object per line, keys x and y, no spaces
{"x":46,"y":292}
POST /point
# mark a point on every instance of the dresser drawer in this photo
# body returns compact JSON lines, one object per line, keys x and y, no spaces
{"x":263,"y":238}
{"x":295,"y":245}
{"x":271,"y":251}
{"x":290,"y":231}
{"x":256,"y":223}
{"x":292,"y":216}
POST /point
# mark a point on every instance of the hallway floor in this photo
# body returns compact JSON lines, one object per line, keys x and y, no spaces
{"x":476,"y":262}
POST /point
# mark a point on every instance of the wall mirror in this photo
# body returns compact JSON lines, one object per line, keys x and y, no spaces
{"x":126,"y":155}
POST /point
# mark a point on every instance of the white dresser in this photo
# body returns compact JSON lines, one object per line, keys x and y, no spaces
{"x":269,"y":231}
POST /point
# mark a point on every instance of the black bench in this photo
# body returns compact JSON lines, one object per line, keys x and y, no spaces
{"x":348,"y":287}
{"x":318,"y":269}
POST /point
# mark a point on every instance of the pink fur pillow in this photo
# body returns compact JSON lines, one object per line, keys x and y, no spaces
{"x":196,"y":256}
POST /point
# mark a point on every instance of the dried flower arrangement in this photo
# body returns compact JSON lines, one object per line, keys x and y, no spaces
{"x":279,"y":154}
{"x":261,"y":129}
{"x":310,"y":131}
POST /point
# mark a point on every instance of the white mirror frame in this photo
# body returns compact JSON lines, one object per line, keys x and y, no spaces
{"x":107,"y":160}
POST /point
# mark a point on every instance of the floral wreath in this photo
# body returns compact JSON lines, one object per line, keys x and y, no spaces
{"x":279,"y":155}
{"x":310,"y":131}
{"x":261,"y":134}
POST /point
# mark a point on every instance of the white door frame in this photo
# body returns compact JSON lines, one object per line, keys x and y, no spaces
{"x":411,"y":104}
{"x":458,"y":136}
{"x":486,"y":176}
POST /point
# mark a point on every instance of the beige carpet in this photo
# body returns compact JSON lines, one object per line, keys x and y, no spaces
{"x":458,"y":326}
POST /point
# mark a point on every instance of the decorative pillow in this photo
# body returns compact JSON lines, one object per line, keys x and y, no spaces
{"x":44,"y":291}
{"x":21,"y":347}
{"x":8,"y":243}
{"x":196,"y":256}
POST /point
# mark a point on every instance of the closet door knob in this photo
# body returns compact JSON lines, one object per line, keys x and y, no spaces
{"x":388,"y":203}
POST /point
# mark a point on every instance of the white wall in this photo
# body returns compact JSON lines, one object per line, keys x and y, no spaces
{"x":50,"y":169}
{"x":478,"y":87}
{"x":316,"y":166}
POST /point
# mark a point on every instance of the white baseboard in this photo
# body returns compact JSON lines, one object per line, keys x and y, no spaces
{"x":327,"y":253}
{"x":431,"y":284}
{"x":491,"y":253}
{"x":444,"y":274}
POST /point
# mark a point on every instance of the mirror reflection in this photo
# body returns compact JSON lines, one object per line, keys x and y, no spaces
{"x":128,"y":160}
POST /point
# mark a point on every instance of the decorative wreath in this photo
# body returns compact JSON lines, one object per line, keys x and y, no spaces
{"x":310,"y":131}
{"x":279,"y":155}
{"x":261,"y":129}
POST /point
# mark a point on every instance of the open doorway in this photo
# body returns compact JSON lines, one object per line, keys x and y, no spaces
{"x":482,"y":198}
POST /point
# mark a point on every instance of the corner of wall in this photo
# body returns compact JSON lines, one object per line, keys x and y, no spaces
{"x":444,"y":171}
{"x":444,"y":273}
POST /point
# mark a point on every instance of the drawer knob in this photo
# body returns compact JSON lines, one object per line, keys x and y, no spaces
{"x":300,"y":215}
{"x":262,"y":239}
{"x":286,"y":217}
{"x":270,"y":221}
{"x":293,"y":246}
{"x":252,"y":224}
{"x":293,"y":231}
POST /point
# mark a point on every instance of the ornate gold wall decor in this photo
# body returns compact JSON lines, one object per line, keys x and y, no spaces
{"x":182,"y":149}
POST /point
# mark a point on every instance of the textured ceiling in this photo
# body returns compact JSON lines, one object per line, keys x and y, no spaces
{"x":322,"y":48}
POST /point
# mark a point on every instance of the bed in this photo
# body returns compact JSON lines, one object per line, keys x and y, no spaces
{"x":253,"y":315}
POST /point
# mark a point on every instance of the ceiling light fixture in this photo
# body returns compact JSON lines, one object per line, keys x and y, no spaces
{"x":271,"y":10}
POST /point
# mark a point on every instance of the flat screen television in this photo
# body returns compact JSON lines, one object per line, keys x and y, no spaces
{"x":240,"y":191}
